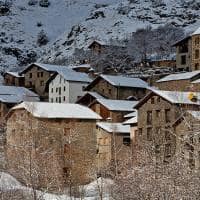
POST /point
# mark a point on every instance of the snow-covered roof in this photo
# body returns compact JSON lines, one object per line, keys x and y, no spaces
{"x":174,"y":97}
{"x":130,"y":115}
{"x":80,"y":66}
{"x":50,"y":68}
{"x":196,"y":81}
{"x":122,"y":81}
{"x":12,"y":94}
{"x":16,"y":74}
{"x":117,"y":105}
{"x":195,"y":114}
{"x":114,"y":127}
{"x":197,"y":32}
{"x":157,"y":57}
{"x":179,"y":76}
{"x":75,"y":76}
{"x":95,"y":95}
{"x":58,"y":110}
{"x":133,"y":120}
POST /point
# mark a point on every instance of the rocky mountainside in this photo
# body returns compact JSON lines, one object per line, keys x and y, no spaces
{"x":27,"y":25}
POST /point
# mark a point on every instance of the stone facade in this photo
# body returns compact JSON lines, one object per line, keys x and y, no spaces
{"x":188,"y":53}
{"x":110,"y":91}
{"x":35,"y":79}
{"x":188,"y":139}
{"x":10,"y":79}
{"x":155,"y":119}
{"x":109,"y":144}
{"x":50,"y":153}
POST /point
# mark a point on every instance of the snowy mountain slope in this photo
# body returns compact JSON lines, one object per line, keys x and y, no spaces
{"x":19,"y":29}
{"x":119,"y":20}
{"x":71,"y":24}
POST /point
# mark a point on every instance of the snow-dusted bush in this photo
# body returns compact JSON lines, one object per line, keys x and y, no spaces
{"x":5,"y":7}
{"x":44,"y":3}
{"x":42,"y":38}
{"x":32,"y":2}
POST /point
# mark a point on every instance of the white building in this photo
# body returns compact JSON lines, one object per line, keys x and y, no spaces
{"x":67,"y":87}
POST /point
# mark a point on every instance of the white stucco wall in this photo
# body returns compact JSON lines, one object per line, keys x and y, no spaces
{"x":72,"y":90}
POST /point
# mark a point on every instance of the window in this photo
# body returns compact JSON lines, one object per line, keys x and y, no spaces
{"x":41,"y":83}
{"x":64,"y":88}
{"x":140,"y":131}
{"x":196,"y":66}
{"x":59,"y":99}
{"x":149,"y":134}
{"x":126,"y":141}
{"x":158,"y":113}
{"x":168,"y":150}
{"x":56,"y":89}
{"x":158,"y":99}
{"x":167,"y":135}
{"x":152,"y":100}
{"x":83,"y":88}
{"x":183,"y":60}
{"x":30,"y":84}
{"x":41,"y":74}
{"x":191,"y":160}
{"x":64,"y":98}
{"x":59,"y":90}
{"x":197,"y":54}
{"x":30,"y":75}
{"x":157,"y":148}
{"x":38,"y":74}
{"x":56,"y":99}
{"x":167,"y":115}
{"x":110,"y":91}
{"x":51,"y":90}
{"x":196,"y":41}
{"x":149,"y":117}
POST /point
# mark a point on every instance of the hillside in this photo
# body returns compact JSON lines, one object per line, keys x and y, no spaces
{"x":72,"y":24}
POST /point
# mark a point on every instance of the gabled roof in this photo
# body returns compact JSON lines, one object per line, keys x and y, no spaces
{"x":103,"y":43}
{"x":117,"y":105}
{"x":174,"y":97}
{"x":15,"y":74}
{"x":114,"y":127}
{"x":130,"y":115}
{"x":12,"y":94}
{"x":133,"y":120}
{"x":72,"y":76}
{"x":120,"y":81}
{"x":180,"y":76}
{"x":48,"y":67}
{"x":58,"y":110}
{"x":93,"y":95}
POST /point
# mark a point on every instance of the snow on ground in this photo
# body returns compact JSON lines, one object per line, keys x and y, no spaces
{"x":8,"y":182}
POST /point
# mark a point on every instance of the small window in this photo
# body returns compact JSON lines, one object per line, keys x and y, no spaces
{"x":197,"y":54}
{"x":196,"y":66}
{"x":64,"y":98}
{"x":30,"y":75}
{"x":152,"y":100}
{"x":56,"y":89}
{"x":158,"y":99}
{"x":168,"y":150}
{"x":41,"y":74}
{"x":51,"y":90}
{"x":110,"y":91}
{"x":197,"y":41}
{"x":59,"y":99}
{"x":167,"y":115}
{"x":157,"y":148}
{"x":30,"y":84}
{"x":59,"y":90}
{"x":64,"y":88}
{"x":126,"y":141}
{"x":83,"y":88}
{"x":140,"y":131}
{"x":158,"y":113}
{"x":41,"y":83}
{"x":149,"y":117}
{"x":149,"y":134}
{"x":183,"y":60}
{"x":38,"y":74}
{"x":56,"y":99}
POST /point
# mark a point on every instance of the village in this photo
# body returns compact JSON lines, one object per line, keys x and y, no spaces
{"x":63,"y":126}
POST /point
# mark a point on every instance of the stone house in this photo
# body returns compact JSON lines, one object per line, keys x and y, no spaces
{"x":188,"y":137}
{"x":88,"y":98}
{"x":188,"y":52}
{"x":13,"y":79}
{"x":99,"y":47}
{"x":9,"y":97}
{"x":67,"y":87}
{"x":113,"y":142}
{"x":118,"y":87}
{"x":37,"y":74}
{"x":156,"y":114}
{"x":112,"y":110}
{"x":179,"y":82}
{"x":54,"y":144}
